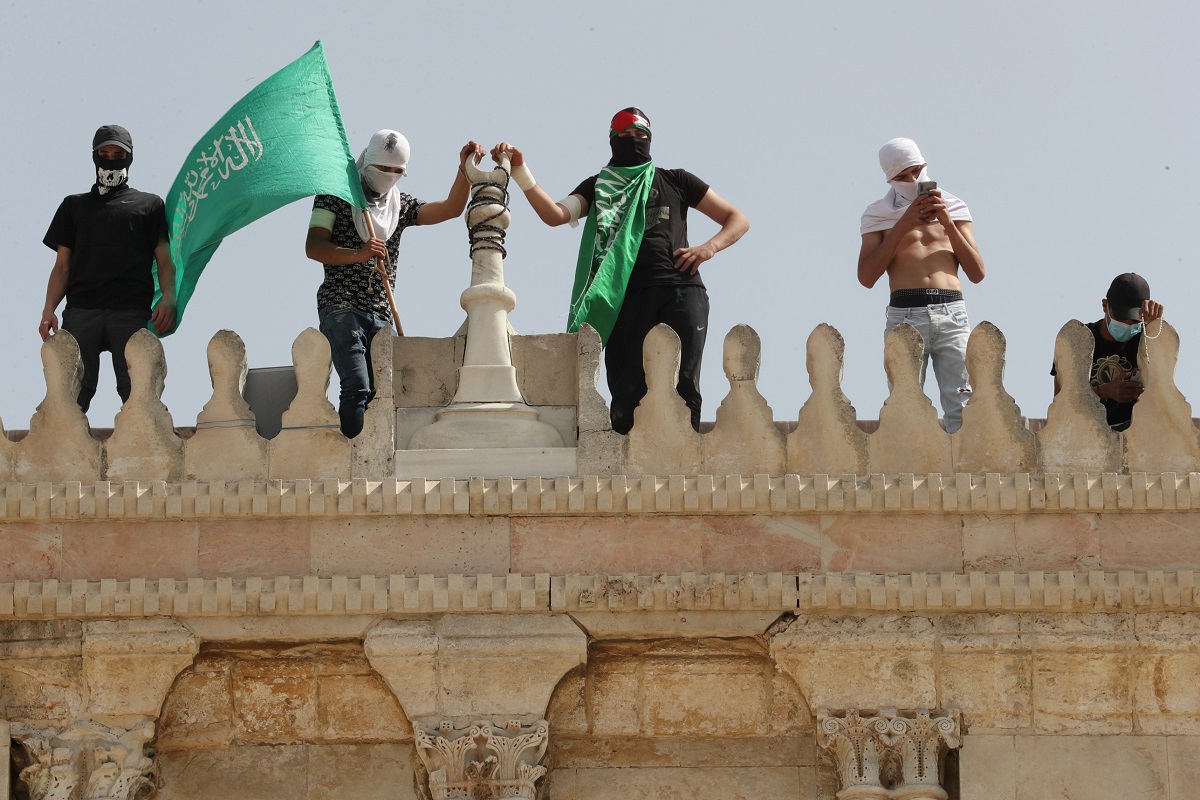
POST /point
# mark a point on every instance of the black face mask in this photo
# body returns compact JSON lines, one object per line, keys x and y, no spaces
{"x":629,"y":151}
{"x":111,"y":172}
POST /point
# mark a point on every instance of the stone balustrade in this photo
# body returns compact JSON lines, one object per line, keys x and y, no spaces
{"x":745,"y":440}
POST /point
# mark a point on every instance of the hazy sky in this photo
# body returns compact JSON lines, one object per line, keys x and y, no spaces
{"x":1070,"y":129}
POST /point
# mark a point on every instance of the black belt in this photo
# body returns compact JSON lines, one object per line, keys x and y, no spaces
{"x":915,"y":298}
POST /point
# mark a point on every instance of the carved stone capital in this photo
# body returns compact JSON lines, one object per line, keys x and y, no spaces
{"x":481,"y":760}
{"x":889,"y":755}
{"x":108,"y":763}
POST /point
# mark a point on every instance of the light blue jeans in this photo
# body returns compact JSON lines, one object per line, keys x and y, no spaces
{"x":945,"y":329}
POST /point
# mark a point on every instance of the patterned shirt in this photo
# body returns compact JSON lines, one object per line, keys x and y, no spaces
{"x":359,"y":285}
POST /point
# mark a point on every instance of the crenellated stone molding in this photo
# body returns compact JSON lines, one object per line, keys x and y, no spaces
{"x":886,"y":754}
{"x":372,"y":596}
{"x":87,"y":760}
{"x":482,"y":759}
{"x":592,"y":495}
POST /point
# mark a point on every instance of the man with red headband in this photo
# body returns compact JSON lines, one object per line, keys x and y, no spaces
{"x":636,"y":268}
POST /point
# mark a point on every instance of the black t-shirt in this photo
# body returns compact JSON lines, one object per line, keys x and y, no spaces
{"x":1110,"y":361}
{"x":672,"y":193}
{"x":112,"y":239}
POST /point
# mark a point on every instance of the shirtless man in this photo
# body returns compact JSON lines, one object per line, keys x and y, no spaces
{"x":920,"y":241}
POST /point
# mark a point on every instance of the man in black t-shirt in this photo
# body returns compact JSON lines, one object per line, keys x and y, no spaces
{"x":105,"y":241}
{"x":1114,"y":375}
{"x":636,"y":268}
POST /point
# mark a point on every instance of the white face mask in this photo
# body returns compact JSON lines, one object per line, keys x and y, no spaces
{"x":907,"y":190}
{"x":110,"y":178}
{"x":380,"y":182}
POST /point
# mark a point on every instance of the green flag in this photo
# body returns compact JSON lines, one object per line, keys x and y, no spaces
{"x":281,"y":142}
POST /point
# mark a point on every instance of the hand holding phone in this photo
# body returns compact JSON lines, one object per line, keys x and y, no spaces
{"x":925,"y":187}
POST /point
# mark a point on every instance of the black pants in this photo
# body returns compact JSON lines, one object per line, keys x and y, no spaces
{"x":98,"y":330}
{"x":685,"y":309}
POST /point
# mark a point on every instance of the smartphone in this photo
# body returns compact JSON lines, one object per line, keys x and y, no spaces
{"x":924,"y":187}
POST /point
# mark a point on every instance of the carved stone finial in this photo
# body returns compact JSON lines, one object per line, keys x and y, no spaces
{"x":1077,"y":437}
{"x":662,"y":441}
{"x":310,"y":444}
{"x":226,"y":445}
{"x":59,"y":446}
{"x":744,"y":440}
{"x":827,"y":438}
{"x":144,"y":446}
{"x":909,"y":438}
{"x":1161,"y":437}
{"x":993,"y":437}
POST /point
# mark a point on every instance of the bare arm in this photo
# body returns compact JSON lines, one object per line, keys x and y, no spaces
{"x":56,"y":290}
{"x":879,"y":247}
{"x":962,"y":240}
{"x":548,"y":211}
{"x":456,"y":200}
{"x":163,"y":315}
{"x":734,"y":225}
{"x":319,"y":247}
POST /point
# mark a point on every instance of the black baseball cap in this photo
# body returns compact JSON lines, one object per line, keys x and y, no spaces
{"x":113,"y":134}
{"x":1126,"y":295}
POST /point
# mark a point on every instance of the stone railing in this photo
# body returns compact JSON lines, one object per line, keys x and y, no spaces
{"x":745,"y":440}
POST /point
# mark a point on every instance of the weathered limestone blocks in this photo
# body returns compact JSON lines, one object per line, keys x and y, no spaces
{"x":128,"y":665}
{"x":910,"y":438}
{"x":311,"y":443}
{"x":226,"y":445}
{"x":744,"y":440}
{"x":992,"y":437}
{"x":144,"y":446}
{"x":59,"y":446}
{"x":889,"y":754}
{"x":1162,"y":435}
{"x":41,"y":670}
{"x":86,"y":760}
{"x":662,"y":441}
{"x":827,"y":438}
{"x":1077,"y":437}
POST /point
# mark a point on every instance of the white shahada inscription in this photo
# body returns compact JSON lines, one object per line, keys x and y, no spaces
{"x":228,"y":154}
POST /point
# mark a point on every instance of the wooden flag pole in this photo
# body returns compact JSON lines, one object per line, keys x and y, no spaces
{"x":387,"y":287}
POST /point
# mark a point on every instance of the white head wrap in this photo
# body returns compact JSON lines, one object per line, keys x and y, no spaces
{"x":390,"y":149}
{"x":895,"y":156}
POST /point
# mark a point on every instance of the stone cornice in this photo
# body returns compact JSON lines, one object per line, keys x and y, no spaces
{"x":396,"y":595}
{"x":649,"y":495}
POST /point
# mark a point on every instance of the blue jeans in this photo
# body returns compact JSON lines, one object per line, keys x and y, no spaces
{"x":350,"y":331}
{"x":945,"y":329}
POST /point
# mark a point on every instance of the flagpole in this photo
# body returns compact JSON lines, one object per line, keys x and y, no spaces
{"x":387,"y":287}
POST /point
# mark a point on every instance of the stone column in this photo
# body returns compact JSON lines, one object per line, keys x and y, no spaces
{"x":475,"y":688}
{"x":888,"y":755}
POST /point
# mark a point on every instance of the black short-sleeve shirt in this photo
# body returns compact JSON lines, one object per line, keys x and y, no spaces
{"x":672,"y":193}
{"x":1111,"y":360}
{"x":112,"y":239}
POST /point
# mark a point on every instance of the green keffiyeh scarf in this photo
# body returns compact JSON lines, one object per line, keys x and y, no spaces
{"x":612,"y":236}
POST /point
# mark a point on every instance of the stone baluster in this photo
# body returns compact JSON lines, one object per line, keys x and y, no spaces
{"x":1077,"y":437}
{"x":226,"y":445}
{"x":1162,"y":436}
{"x":144,"y":446}
{"x":744,"y":440}
{"x":662,"y":441}
{"x":59,"y":446}
{"x":993,"y":437}
{"x":310,"y":444}
{"x":827,"y":438}
{"x":909,"y":438}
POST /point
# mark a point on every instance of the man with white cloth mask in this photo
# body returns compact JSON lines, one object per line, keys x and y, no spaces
{"x":352,"y":303}
{"x":921,"y":239}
